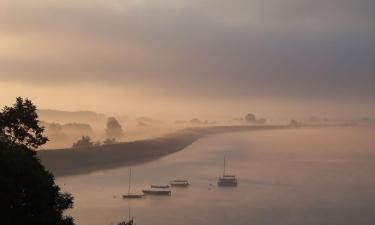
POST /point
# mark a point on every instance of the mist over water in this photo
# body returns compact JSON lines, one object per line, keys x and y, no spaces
{"x":299,"y":177}
{"x":111,"y":83}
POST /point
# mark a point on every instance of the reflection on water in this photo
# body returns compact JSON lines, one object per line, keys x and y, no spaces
{"x":316,"y":176}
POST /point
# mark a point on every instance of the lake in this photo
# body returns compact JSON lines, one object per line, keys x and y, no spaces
{"x":300,"y":177}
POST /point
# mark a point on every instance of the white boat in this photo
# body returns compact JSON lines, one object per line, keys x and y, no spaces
{"x":131,"y":195}
{"x":227,"y":180}
{"x":157,"y":191}
{"x":179,"y":183}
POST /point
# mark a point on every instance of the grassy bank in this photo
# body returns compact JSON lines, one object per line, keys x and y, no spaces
{"x":64,"y":162}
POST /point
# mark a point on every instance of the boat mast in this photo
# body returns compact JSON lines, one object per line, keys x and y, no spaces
{"x":129,"y":212}
{"x":224,"y":165}
{"x":130,"y":175}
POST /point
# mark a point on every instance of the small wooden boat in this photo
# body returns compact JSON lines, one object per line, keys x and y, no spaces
{"x":179,"y":183}
{"x":131,"y":195}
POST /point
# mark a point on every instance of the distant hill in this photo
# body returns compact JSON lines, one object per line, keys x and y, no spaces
{"x":51,"y":115}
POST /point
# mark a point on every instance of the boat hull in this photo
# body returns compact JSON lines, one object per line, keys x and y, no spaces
{"x":157,"y":192}
{"x":160,"y":186}
{"x":179,"y":185}
{"x":226,"y":184}
{"x":133,"y":196}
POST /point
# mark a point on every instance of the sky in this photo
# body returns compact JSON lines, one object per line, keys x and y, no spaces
{"x":190,"y":57}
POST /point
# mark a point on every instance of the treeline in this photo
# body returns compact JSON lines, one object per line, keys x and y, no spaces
{"x":81,"y":134}
{"x":114,"y":130}
{"x":85,"y":142}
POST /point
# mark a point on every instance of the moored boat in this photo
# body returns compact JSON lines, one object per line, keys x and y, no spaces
{"x":133,"y":195}
{"x":157,"y":191}
{"x":227,"y":180}
{"x":129,"y":194}
{"x":159,"y":186}
{"x":179,"y":183}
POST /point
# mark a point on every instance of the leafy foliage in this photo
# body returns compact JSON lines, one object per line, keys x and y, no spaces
{"x":250,"y":117}
{"x":109,"y":141}
{"x":114,"y":129}
{"x":19,"y":125}
{"x":28,"y":193}
{"x":84,"y":142}
{"x":130,"y":222}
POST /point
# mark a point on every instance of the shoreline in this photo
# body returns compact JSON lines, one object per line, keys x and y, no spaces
{"x":68,"y":162}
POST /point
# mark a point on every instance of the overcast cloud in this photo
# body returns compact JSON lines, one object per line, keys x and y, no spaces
{"x":307,"y":48}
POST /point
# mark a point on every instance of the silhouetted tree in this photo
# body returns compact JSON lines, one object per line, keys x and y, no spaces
{"x":84,"y":142}
{"x":114,"y":129}
{"x":196,"y":121}
{"x":130,"y":222}
{"x":19,"y":125}
{"x":28,"y":193}
{"x":250,"y":118}
{"x":109,"y":141}
{"x":293,"y":123}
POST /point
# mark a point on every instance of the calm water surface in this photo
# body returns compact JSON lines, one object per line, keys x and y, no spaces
{"x":299,"y":177}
